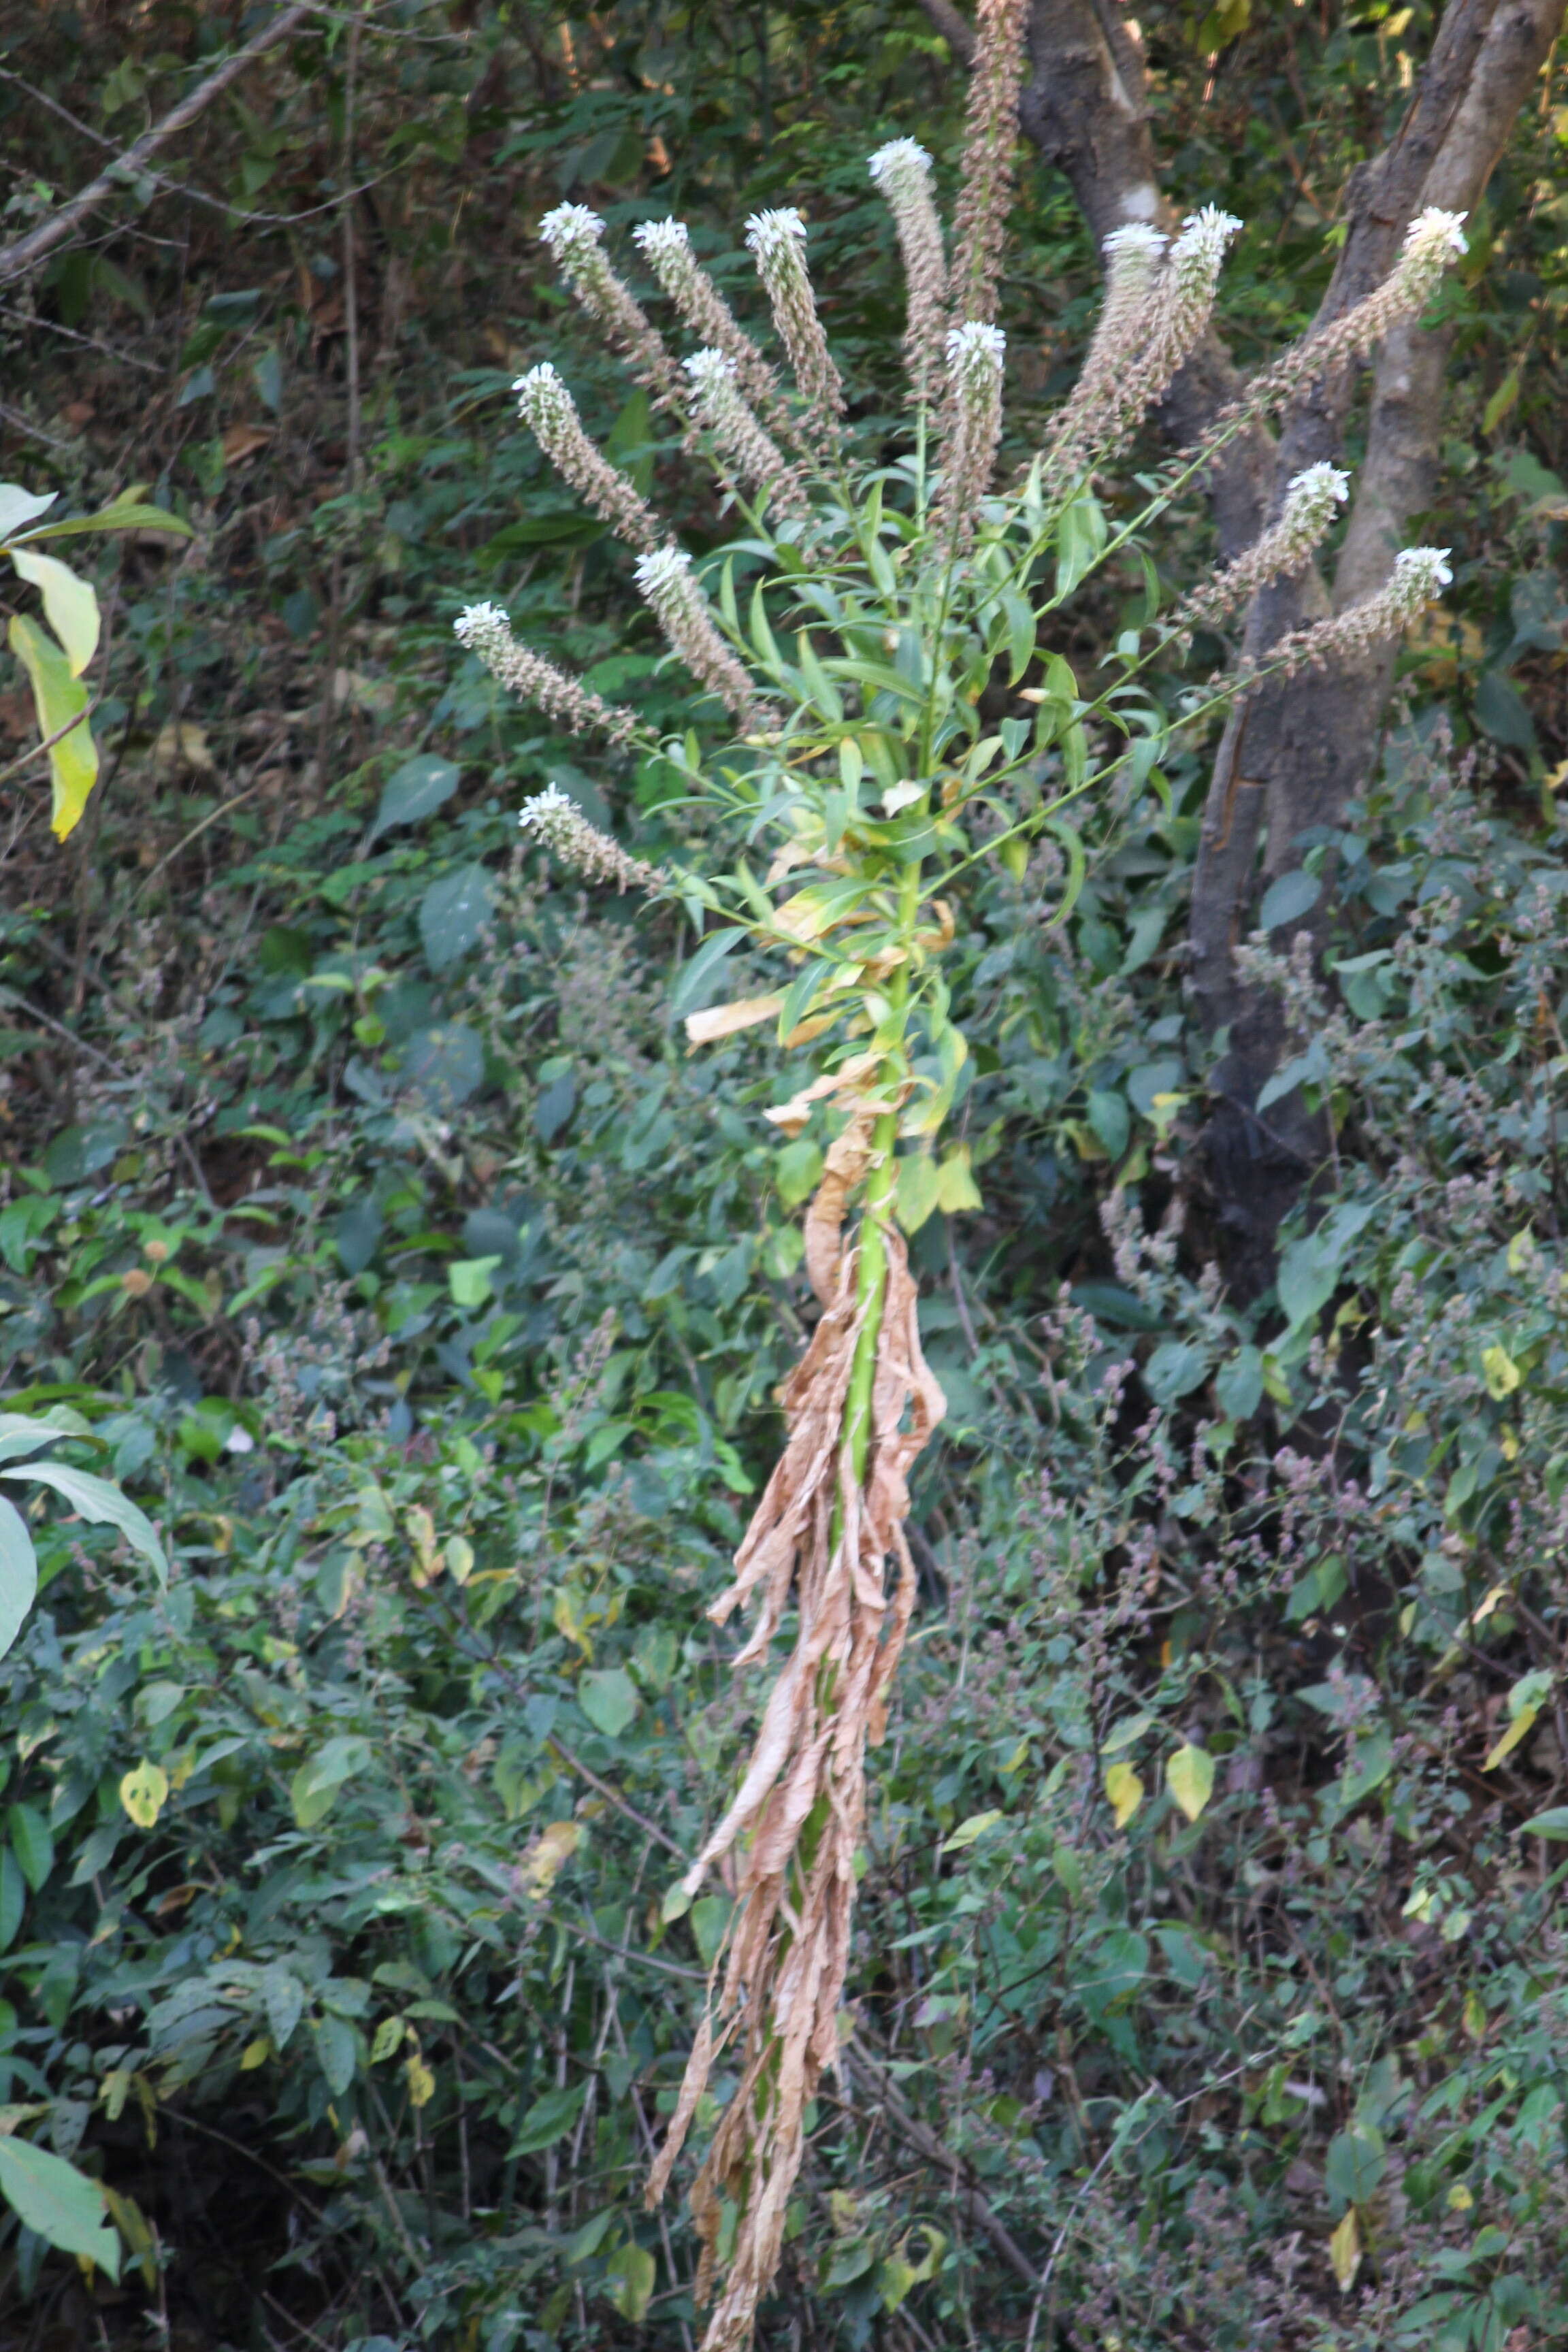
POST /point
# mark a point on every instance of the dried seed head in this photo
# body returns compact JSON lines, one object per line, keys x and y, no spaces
{"x":742,"y":445}
{"x":487,"y":632}
{"x":665,"y":581}
{"x":991,"y":133}
{"x":1434,"y":239}
{"x":974,"y":355}
{"x":1419,"y":574}
{"x":1286,"y":548}
{"x":777,"y":240}
{"x":557,"y":821}
{"x":547,"y":406}
{"x":902,"y":170}
{"x":1091,"y":419}
{"x":666,"y":247}
{"x":574,"y":236}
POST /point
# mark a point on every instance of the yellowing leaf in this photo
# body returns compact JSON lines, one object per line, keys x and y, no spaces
{"x":955,"y":1186}
{"x":388,"y":2040}
{"x":915,"y":1190}
{"x":1475,"y":2016}
{"x":421,"y":2082}
{"x":1189,"y":1776}
{"x":1344,"y":2251}
{"x":541,"y":1863}
{"x":1521,"y":1249}
{"x":57,"y":697}
{"x":1124,"y":1792}
{"x":1516,"y":1731}
{"x":967,"y":1832}
{"x":142,"y":1793}
{"x":459,"y":1555}
{"x":70,"y":603}
{"x":1458,"y":2200}
{"x":726,"y":1020}
{"x":628,"y":2278}
{"x":1501,"y":1374}
{"x":255,"y":2053}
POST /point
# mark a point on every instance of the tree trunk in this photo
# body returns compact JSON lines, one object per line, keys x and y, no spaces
{"x":1294,"y":754}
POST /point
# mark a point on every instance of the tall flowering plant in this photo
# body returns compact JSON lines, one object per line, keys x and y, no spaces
{"x":846,"y":639}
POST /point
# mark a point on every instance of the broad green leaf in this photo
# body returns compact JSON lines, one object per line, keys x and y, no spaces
{"x":24,"y":1432}
{"x":548,"y":2120}
{"x":57,"y":697}
{"x":1124,"y":1793}
{"x":18,"y":508}
{"x":13,"y":1898}
{"x":1552,"y":1823}
{"x":98,"y":1500}
{"x":19,"y":1573}
{"x":609,"y":1700}
{"x":629,"y":2276}
{"x":1288,"y":900}
{"x":1175,"y":1370}
{"x":1189,"y":1776}
{"x":1355,"y":2164}
{"x":143,"y":1791}
{"x":317,"y":1785}
{"x":469,"y":1280}
{"x":283,"y":1998}
{"x":337,"y":2052}
{"x":60,"y":2204}
{"x":956,"y":1189}
{"x":418,"y":789}
{"x":70,"y":601}
{"x":452,"y":914}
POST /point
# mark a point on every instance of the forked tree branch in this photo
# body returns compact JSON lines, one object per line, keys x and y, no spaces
{"x":26,"y":251}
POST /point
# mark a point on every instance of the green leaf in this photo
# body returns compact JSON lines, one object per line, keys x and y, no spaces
{"x":69,"y":601}
{"x":548,"y":2120}
{"x":99,"y":1501}
{"x":1502,"y":712}
{"x":1239,"y":1384}
{"x":24,"y":1432}
{"x":1287,"y":901}
{"x":337,"y":2052}
{"x":31,"y":1843}
{"x":129,"y":512}
{"x":468,"y":1279}
{"x":629,"y":2274}
{"x":608,"y":1697}
{"x":19,"y":507}
{"x":418,"y":789}
{"x":699,"y":968}
{"x":452,"y":914}
{"x":1308,"y":1277}
{"x":915,"y":1190}
{"x":1175,"y":1370}
{"x":60,"y":2204}
{"x":283,"y":1998}
{"x":1189,"y":1776}
{"x":19,"y":1573}
{"x":13,"y":1898}
{"x":1355,"y":2165}
{"x":1552,"y":1823}
{"x":319,"y":1780}
{"x":1020,"y":618}
{"x":57,"y":697}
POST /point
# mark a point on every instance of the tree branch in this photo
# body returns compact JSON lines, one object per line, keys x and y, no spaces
{"x":21,"y":255}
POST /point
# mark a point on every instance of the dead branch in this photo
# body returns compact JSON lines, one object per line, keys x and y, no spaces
{"x":24,"y":251}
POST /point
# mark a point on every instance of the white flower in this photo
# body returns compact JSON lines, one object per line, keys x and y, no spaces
{"x":901,"y":161}
{"x":476,"y":622}
{"x":710,"y":370}
{"x":536,"y":814}
{"x":975,"y":349}
{"x":659,"y":239}
{"x":541,"y":395}
{"x":771,"y":235}
{"x":664,"y":572}
{"x":1421,"y":573}
{"x":1310,"y":497}
{"x":1204,"y":236}
{"x":1436,"y":235}
{"x":1137,"y":243}
{"x":571,"y":231}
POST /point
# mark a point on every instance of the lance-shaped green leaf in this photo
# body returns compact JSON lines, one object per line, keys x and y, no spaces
{"x":96,"y":1499}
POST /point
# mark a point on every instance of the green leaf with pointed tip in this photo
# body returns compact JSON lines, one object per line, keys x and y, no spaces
{"x":57,"y":697}
{"x":60,"y":2203}
{"x":96,"y":1499}
{"x":19,"y":1573}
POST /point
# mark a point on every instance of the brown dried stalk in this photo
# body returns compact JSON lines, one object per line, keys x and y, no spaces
{"x":825,"y":1535}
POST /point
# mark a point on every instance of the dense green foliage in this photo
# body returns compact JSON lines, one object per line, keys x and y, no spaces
{"x":363,"y":1203}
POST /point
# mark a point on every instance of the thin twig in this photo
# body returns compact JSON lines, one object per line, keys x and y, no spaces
{"x":24,"y":251}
